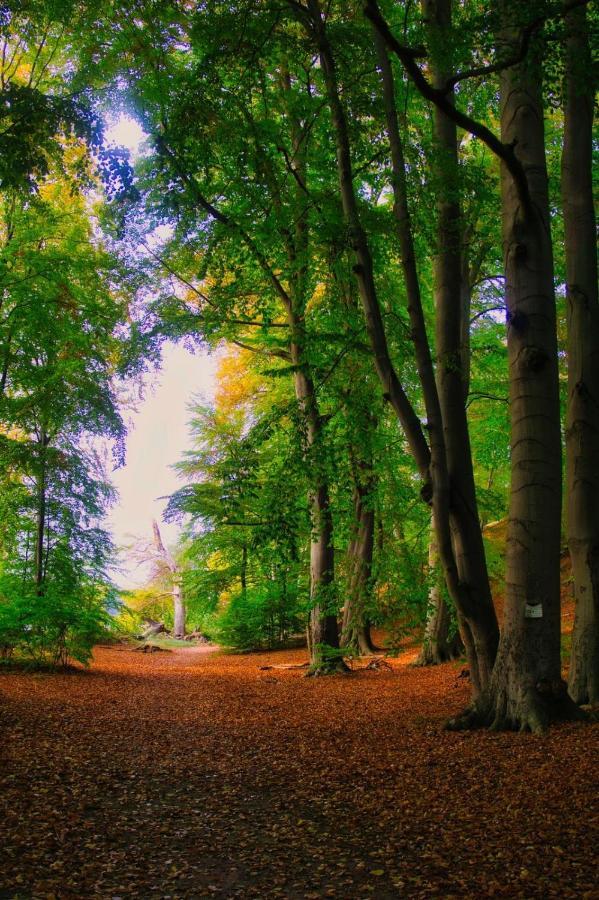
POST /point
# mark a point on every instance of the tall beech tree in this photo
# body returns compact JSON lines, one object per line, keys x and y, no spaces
{"x":582,"y":426}
{"x":475,"y":609}
{"x":526,"y":689}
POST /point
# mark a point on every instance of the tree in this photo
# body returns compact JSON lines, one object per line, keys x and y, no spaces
{"x":167,"y":559}
{"x":582,"y":426}
{"x":60,"y":349}
{"x":245,"y":526}
{"x":472,"y":599}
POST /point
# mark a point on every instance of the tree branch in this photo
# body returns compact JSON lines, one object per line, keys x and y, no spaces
{"x":526,"y":36}
{"x":439,"y":97}
{"x":225,"y":220}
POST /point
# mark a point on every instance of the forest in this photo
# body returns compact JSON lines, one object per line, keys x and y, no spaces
{"x":378,"y":219}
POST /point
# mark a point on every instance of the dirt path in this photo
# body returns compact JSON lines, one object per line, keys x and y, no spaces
{"x":193,"y":774}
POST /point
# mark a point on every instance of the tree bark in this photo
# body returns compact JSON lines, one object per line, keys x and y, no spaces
{"x":40,"y":529}
{"x":526,"y":689}
{"x":243,"y":572}
{"x":478,"y":621}
{"x":322,"y":625}
{"x":582,"y":424}
{"x":355,"y":631}
{"x":323,"y":630}
{"x":179,"y":612}
{"x":439,"y":645}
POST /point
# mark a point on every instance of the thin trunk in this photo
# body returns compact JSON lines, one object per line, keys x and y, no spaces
{"x":322,"y":626}
{"x":582,"y":426}
{"x":440,"y":643}
{"x":526,"y":689}
{"x":179,"y":612}
{"x":478,"y":621}
{"x":5,"y":365}
{"x":243,"y":573}
{"x":355,"y":632}
{"x":323,"y":637}
{"x":40,"y":528}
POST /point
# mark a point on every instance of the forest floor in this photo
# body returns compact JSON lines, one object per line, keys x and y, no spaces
{"x":193,"y":773}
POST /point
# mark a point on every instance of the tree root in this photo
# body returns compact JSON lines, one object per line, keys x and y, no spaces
{"x":328,"y":667}
{"x":433,"y":654}
{"x":533,"y":712}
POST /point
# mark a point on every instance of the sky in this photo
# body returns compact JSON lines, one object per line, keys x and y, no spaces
{"x":157,"y":429}
{"x":157,"y":437}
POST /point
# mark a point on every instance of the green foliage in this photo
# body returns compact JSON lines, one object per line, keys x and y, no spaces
{"x":57,"y":627}
{"x":234,"y":234}
{"x":260,"y":617}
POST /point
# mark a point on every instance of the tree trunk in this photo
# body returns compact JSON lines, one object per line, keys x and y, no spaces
{"x":323,"y":638}
{"x":582,"y":426}
{"x":179,"y":612}
{"x":526,"y":689}
{"x":437,"y":645}
{"x":243,"y":572}
{"x":478,"y":621}
{"x":40,"y":529}
{"x":355,"y":632}
{"x":323,"y":631}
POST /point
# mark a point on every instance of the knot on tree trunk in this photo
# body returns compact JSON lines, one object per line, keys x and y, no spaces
{"x":534,"y":358}
{"x":517,"y":320}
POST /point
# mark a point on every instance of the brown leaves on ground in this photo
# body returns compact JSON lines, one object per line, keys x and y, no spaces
{"x":194,"y":774}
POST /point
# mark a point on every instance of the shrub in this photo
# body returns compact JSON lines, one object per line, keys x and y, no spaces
{"x":259,"y":618}
{"x":55,"y":628}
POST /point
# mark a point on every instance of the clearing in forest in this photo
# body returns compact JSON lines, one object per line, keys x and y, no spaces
{"x":195,"y":774}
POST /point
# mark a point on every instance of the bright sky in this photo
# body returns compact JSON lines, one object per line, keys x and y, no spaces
{"x":158,"y":432}
{"x":158,"y":435}
{"x":126,"y":132}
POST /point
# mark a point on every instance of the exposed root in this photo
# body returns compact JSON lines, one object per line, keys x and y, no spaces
{"x":467,"y":720}
{"x":328,"y":667}
{"x":434,"y":653}
{"x":534,"y":711}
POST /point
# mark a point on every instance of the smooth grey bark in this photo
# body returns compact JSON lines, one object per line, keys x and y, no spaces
{"x":440,"y":642}
{"x":478,"y":622}
{"x":40,"y":525}
{"x":243,"y":571}
{"x":322,"y":626}
{"x":526,"y":689}
{"x":323,"y":630}
{"x":582,"y":424}
{"x":171,"y":564}
{"x":355,"y":630}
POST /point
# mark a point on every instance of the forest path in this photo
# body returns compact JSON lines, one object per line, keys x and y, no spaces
{"x":197,"y":774}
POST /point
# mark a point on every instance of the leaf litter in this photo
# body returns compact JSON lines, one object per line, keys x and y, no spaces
{"x":192,"y":774}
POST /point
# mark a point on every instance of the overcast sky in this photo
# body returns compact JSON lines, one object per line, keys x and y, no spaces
{"x":158,"y":435}
{"x":158,"y":432}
